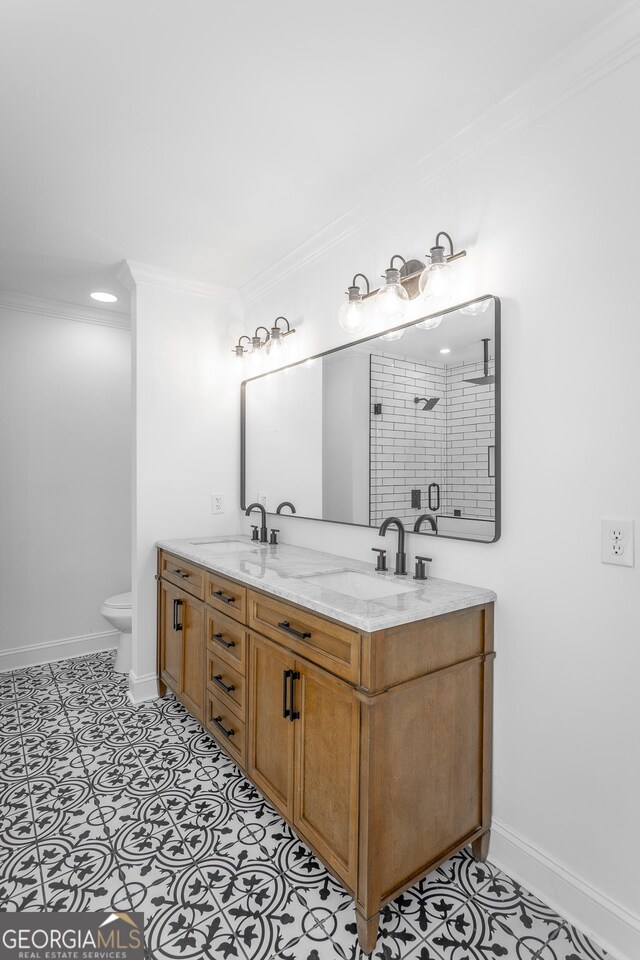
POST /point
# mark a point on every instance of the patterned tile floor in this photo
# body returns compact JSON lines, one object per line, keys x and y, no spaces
{"x":109,"y":806}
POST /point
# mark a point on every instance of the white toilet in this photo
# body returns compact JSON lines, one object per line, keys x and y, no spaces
{"x":117,"y":610}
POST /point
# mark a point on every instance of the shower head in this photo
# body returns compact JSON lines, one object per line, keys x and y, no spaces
{"x":488,"y":377}
{"x":429,"y":402}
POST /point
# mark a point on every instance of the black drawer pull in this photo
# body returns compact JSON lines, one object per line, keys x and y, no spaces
{"x":218,"y":679}
{"x":181,"y":573}
{"x":293,"y":714}
{"x":285,"y":676}
{"x":225,"y":643}
{"x":227,"y":733}
{"x":219,"y":593}
{"x":176,"y":606}
{"x":285,"y":625}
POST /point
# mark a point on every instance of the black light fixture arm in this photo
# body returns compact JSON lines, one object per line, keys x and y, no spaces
{"x":364,"y":277}
{"x":443,"y":233}
{"x":396,"y":256}
{"x":437,"y":253}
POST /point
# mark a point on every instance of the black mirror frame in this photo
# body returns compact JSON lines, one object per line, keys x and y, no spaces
{"x":374,"y":336}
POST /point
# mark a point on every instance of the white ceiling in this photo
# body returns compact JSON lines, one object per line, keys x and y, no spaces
{"x":210,"y":138}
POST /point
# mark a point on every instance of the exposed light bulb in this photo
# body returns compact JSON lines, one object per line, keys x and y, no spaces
{"x":392,"y":299}
{"x":436,"y":281}
{"x":350,"y":316}
{"x":393,"y":335}
{"x":446,"y":350}
{"x":473,"y":309}
{"x":430,"y":323}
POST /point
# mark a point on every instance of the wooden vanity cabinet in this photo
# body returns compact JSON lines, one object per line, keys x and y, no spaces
{"x":303,"y":750}
{"x":376,"y":747}
{"x":181,"y":649}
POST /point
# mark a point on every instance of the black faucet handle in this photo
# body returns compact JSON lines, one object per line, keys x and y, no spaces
{"x":421,"y":570}
{"x":274,"y":535}
{"x":254,"y":535}
{"x":381,"y":559}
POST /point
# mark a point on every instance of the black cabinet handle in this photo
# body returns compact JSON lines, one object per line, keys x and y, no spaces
{"x":434,"y":496}
{"x":285,"y":625}
{"x":181,"y":573}
{"x":176,"y":623}
{"x":285,"y":676}
{"x":219,"y":593}
{"x":293,"y":676}
{"x":218,"y":679}
{"x":225,"y":643}
{"x":227,"y":733}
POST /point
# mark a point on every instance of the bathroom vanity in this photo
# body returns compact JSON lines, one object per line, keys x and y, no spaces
{"x":360,"y":704}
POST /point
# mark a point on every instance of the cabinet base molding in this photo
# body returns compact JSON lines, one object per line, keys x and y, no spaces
{"x":143,"y":688}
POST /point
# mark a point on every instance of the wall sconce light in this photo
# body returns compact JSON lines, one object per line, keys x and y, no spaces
{"x":276,"y":336}
{"x":402,"y":284}
{"x":436,"y":279}
{"x":272,"y":338}
{"x":350,"y":314}
{"x":392,"y":298}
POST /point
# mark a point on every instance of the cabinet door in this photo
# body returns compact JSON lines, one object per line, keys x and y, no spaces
{"x":170,"y":637}
{"x":271,"y":735}
{"x":192,"y":617}
{"x":326,"y":767}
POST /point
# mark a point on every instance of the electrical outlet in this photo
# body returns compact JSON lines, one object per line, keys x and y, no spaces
{"x":262,"y":498}
{"x":617,"y":542}
{"x":217,"y":503}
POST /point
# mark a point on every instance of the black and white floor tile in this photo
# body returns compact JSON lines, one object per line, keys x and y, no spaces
{"x":109,"y":806}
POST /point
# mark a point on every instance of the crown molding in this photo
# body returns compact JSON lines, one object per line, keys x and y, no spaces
{"x":595,"y":54}
{"x":61,"y":310}
{"x":132,"y":274}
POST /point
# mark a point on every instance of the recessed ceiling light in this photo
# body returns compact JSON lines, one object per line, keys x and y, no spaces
{"x":445,"y":350}
{"x":103,"y":297}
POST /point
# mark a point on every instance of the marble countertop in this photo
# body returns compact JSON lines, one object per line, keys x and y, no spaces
{"x":281,"y":571}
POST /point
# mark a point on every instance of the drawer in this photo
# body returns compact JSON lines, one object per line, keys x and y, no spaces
{"x":184,"y":574}
{"x":227,"y":596}
{"x":226,"y":728}
{"x":225,"y":683}
{"x":227,"y":639}
{"x":329,"y":645}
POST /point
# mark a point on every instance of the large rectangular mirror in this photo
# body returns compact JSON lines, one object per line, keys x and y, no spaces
{"x":404,"y":424}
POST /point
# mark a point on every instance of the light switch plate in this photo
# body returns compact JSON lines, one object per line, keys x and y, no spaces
{"x":617,"y":542}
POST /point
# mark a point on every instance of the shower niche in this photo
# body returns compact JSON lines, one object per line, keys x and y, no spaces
{"x":401,"y":424}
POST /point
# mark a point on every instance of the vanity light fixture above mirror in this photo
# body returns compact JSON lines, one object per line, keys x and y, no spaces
{"x":272,"y":342}
{"x":431,"y":281}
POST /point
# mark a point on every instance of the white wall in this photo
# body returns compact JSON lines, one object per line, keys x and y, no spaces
{"x":186,"y":414}
{"x":345,"y":440}
{"x":284,"y":440}
{"x":549,"y":214}
{"x":64,"y":481}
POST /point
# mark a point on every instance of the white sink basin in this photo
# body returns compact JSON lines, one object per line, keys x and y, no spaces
{"x":223,"y":546}
{"x":351,"y":583}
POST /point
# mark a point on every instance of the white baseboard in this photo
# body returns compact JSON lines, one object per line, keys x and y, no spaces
{"x":52,"y":650}
{"x":605,"y":922}
{"x":142,"y":688}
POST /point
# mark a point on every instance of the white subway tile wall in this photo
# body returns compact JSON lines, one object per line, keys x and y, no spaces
{"x":448,"y":445}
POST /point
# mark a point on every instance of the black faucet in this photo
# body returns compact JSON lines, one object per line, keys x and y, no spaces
{"x":401,"y":557}
{"x":263,"y":529}
{"x":421,"y":519}
{"x":285,"y":503}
